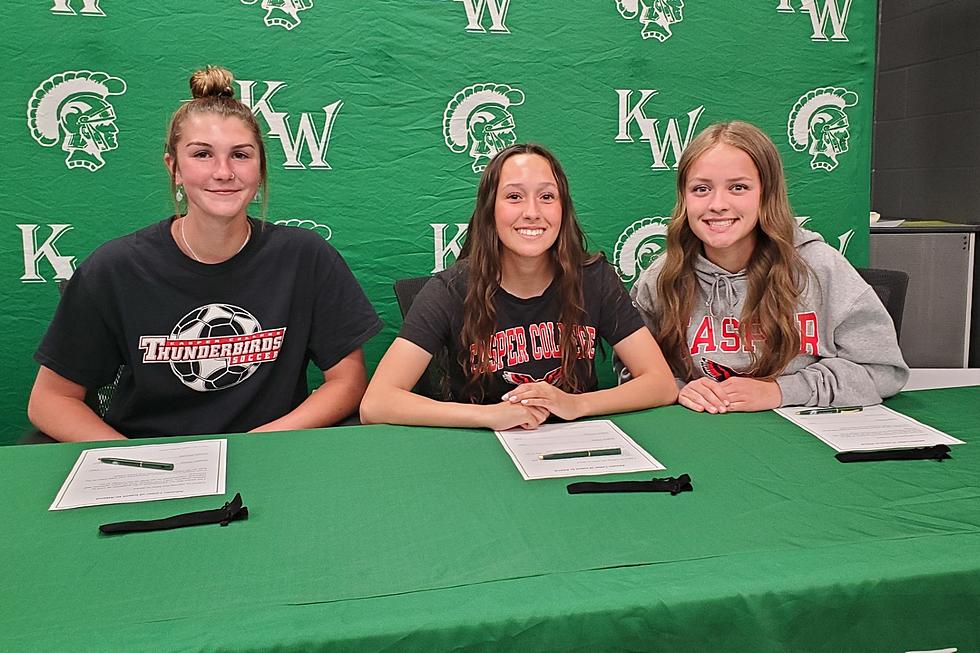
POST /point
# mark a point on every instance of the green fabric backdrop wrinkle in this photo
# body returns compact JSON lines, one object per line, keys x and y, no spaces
{"x":395,"y":66}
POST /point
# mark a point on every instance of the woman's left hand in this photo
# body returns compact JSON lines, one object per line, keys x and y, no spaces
{"x":557,"y":402}
{"x":746,"y":394}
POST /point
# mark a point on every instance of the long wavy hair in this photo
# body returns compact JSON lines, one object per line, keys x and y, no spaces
{"x":481,"y":254}
{"x":776,"y":274}
{"x":211,"y":90}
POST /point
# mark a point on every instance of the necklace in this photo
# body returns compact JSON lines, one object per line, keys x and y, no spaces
{"x":191,"y":249}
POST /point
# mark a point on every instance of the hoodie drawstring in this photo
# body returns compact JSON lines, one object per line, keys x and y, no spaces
{"x":716,"y":294}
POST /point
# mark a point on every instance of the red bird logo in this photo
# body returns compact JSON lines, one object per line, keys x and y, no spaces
{"x":516,"y":378}
{"x":717,"y":371}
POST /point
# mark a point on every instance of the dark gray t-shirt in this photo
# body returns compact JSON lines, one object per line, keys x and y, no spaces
{"x":206,"y":348}
{"x":525,"y":345}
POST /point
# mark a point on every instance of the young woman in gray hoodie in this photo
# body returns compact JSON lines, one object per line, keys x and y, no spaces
{"x":751,"y":311}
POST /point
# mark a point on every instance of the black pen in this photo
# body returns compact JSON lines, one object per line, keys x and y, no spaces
{"x":146,"y":464}
{"x":831,"y":410}
{"x":588,"y":453}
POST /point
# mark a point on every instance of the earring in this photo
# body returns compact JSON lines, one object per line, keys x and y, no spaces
{"x":258,"y":195}
{"x":179,"y":195}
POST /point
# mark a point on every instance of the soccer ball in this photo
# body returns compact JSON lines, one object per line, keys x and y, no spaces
{"x":214,"y":321}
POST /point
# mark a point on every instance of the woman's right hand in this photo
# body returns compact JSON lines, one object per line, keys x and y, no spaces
{"x":507,"y":415}
{"x":704,"y":394}
{"x":389,"y":398}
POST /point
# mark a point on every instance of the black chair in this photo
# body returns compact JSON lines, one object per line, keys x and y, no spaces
{"x":434,"y":382}
{"x":890,"y":286}
{"x":406,"y":290}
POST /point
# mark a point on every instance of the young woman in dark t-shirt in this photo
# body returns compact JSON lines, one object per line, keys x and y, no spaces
{"x":209,"y":318}
{"x":520,"y":313}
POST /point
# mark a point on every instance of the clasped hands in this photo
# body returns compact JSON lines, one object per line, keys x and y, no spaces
{"x":736,"y":394}
{"x":530,"y":404}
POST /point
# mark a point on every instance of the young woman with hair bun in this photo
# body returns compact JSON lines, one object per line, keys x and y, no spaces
{"x":210,"y":317}
{"x":753,"y":311}
{"x":521,"y":313}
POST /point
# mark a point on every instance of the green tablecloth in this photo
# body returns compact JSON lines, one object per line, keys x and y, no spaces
{"x":394,"y":538}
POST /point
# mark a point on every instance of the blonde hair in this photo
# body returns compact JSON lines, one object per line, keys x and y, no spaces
{"x":211,"y":90}
{"x":776,"y":274}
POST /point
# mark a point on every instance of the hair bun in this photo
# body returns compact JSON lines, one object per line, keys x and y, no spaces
{"x":212,"y":81}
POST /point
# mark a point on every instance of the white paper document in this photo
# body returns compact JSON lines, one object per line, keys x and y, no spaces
{"x":198,"y":470}
{"x":888,"y":223}
{"x":526,"y":448}
{"x":872,"y":429}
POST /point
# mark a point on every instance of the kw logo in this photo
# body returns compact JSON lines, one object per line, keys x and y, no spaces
{"x":832,"y":14}
{"x":843,"y":240}
{"x":475,"y":11}
{"x":306,"y":135}
{"x":89,"y":8}
{"x":443,"y":250}
{"x":63,"y":266}
{"x":664,"y":137}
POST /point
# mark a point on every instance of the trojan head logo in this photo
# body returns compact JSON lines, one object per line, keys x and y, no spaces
{"x":215,"y":346}
{"x":478,"y":119}
{"x":639,"y":246}
{"x":656,"y":16}
{"x":818,"y":125}
{"x":282,"y":13}
{"x":89,"y":8}
{"x":72,"y":108}
{"x":312,"y":225}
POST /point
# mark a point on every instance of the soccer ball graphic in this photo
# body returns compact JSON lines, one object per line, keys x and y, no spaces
{"x":214,"y":321}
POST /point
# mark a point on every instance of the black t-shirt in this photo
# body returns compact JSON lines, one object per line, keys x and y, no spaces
{"x":525,"y":345}
{"x":206,"y":348}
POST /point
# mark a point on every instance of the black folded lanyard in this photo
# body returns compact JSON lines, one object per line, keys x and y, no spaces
{"x":938,"y":452}
{"x":231,"y":511}
{"x":670,"y":484}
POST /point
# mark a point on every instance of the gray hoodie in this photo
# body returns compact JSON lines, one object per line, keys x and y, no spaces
{"x":849,"y":352}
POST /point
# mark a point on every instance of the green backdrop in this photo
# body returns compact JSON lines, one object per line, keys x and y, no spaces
{"x":380,"y":113}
